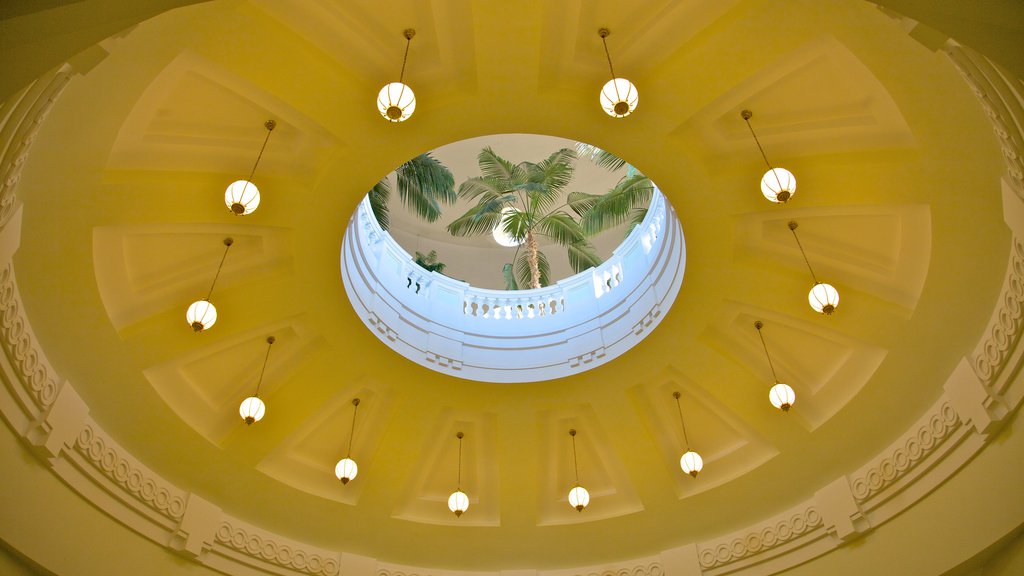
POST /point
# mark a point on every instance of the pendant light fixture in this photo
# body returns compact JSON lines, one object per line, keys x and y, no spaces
{"x":777,"y":184}
{"x":823,"y":298}
{"x":202,"y":314}
{"x":252,"y":408}
{"x":346,"y":468}
{"x":578,"y":496}
{"x":458,"y":502}
{"x":242,"y":196}
{"x":619,"y":96}
{"x":690,"y":461}
{"x":396,"y":102}
{"x":781,"y":395}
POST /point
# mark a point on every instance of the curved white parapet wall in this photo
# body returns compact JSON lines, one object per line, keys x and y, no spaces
{"x":514,"y":336}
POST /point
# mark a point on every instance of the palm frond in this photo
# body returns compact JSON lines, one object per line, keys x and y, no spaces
{"x":614,"y":206}
{"x":560,"y":227}
{"x":516,"y":224}
{"x":429,"y":262}
{"x":496,"y":168}
{"x":636,"y":218}
{"x":580,"y":202}
{"x":379,"y":196}
{"x":523,"y":275}
{"x":602,"y":158}
{"x":481,"y":218}
{"x":477,"y":186}
{"x":424,"y":184}
{"x":583,"y":255}
{"x":556,"y":170}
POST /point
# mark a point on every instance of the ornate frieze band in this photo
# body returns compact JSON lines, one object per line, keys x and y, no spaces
{"x":143,"y":485}
{"x":916,"y":446}
{"x":270,"y":548}
{"x":760,"y":539}
{"x":20,"y":345}
{"x":1000,"y":97}
{"x":1004,"y":329}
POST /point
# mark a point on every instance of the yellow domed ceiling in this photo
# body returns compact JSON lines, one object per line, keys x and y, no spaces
{"x":123,"y":219}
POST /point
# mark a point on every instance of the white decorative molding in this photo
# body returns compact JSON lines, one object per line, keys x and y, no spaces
{"x":480,"y":334}
{"x":909,"y":451}
{"x":20,"y":345}
{"x":22,"y":116}
{"x":1004,"y":329}
{"x":1000,"y":97}
{"x":107,"y":457}
{"x":645,"y":569}
{"x":763,"y":538}
{"x":273,"y":549}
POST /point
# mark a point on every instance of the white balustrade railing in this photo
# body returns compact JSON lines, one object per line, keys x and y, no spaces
{"x":449,"y":325}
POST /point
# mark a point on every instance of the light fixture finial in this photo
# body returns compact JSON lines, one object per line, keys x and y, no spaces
{"x":823,"y":298}
{"x":778,"y":184}
{"x":252,"y":408}
{"x":396,"y":101}
{"x":202,"y":314}
{"x":781,"y":395}
{"x":242,"y":196}
{"x":619,"y":96}
{"x":346,"y":468}
{"x":691,"y":462}
{"x":578,"y":496}
{"x":458,"y":502}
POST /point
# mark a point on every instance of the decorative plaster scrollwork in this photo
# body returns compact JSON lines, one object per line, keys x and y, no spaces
{"x":651,"y":569}
{"x":915,"y":447}
{"x":262,"y":546}
{"x":760,"y":540}
{"x":23,"y":120}
{"x":151,"y":490}
{"x":21,"y":346}
{"x":1005,"y":327}
{"x":993,"y":88}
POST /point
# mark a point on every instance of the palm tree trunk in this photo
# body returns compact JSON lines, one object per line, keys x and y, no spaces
{"x":531,"y":258}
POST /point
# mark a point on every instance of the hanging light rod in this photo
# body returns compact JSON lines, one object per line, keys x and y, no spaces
{"x":396,"y":101}
{"x":202,"y":314}
{"x":458,"y":502}
{"x":619,"y":96}
{"x":823,"y":298}
{"x":781,"y":395}
{"x":578,"y":496}
{"x":346,"y":469}
{"x":690,"y":461}
{"x":777,"y":184}
{"x":242,"y":196}
{"x":252,"y":408}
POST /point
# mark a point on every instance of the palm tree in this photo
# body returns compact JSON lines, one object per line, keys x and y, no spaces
{"x":626,"y":202}
{"x":523,"y":198}
{"x":424,"y":184}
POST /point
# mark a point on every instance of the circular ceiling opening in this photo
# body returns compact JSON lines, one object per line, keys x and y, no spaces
{"x":513,"y":258}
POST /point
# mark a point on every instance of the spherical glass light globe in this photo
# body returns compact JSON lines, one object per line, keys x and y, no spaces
{"x":252,"y":409}
{"x":782,"y":396}
{"x":346,"y":470}
{"x":778,"y":185}
{"x":242,"y":197}
{"x":458,"y":502}
{"x":500,"y":236}
{"x":823,"y":298}
{"x":619,"y":97}
{"x":396,"y":102}
{"x":691,"y":463}
{"x":579,"y":498}
{"x":201,"y":315}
